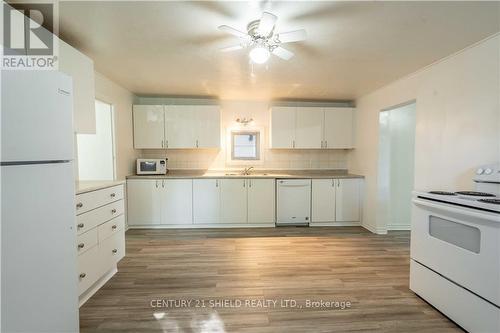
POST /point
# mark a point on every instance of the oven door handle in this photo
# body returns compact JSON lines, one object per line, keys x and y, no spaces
{"x":491,"y":217}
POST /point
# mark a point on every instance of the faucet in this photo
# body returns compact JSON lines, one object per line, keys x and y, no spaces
{"x":246,"y":171}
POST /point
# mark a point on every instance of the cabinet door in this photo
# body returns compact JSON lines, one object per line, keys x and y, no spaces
{"x":233,"y":201}
{"x":323,"y":200}
{"x":149,"y":126}
{"x":206,"y":201}
{"x":177,"y":201}
{"x":347,"y":200}
{"x":339,"y":128}
{"x":309,"y":127}
{"x":283,"y":127}
{"x":179,"y":129}
{"x":261,"y":196}
{"x":143,"y":200}
{"x":207,"y":120}
{"x":81,"y":69}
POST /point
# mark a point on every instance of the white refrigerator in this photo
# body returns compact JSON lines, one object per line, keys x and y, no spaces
{"x":39,"y":285}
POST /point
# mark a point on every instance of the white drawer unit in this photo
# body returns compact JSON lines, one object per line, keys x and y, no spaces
{"x":91,"y":200}
{"x":98,"y":216}
{"x":86,"y":241}
{"x":101,"y":237}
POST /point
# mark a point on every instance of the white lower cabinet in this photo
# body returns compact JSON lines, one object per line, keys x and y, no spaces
{"x":159,"y":201}
{"x":101,"y":238}
{"x":335,"y":200}
{"x":206,"y":201}
{"x":261,"y":200}
{"x":233,"y":200}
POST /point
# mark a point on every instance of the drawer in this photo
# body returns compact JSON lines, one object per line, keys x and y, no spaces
{"x":112,"y":250}
{"x":92,"y":219}
{"x":86,"y":241}
{"x":111,"y":227}
{"x":89,"y":269}
{"x":91,"y":200}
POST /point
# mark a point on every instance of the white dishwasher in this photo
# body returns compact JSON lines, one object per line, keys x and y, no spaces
{"x":293,"y":202}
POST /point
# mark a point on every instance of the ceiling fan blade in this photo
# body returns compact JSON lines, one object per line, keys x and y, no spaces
{"x":283,"y":53}
{"x":266,"y":24}
{"x":292,"y":36}
{"x":231,"y":48}
{"x":233,"y":31}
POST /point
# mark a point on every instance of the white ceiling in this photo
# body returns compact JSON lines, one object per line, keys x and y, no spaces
{"x":171,"y":48}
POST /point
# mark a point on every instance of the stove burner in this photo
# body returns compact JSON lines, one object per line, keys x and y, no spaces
{"x":441,"y":193}
{"x":491,"y":201}
{"x":475,"y":194}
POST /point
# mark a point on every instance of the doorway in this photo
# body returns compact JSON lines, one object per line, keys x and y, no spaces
{"x":96,"y":152}
{"x":396,"y":165}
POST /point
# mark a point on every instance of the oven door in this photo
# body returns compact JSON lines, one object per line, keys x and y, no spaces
{"x":461,"y":244}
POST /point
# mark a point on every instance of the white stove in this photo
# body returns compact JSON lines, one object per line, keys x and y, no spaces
{"x":455,"y":251}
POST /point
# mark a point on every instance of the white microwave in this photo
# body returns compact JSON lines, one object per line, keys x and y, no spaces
{"x":151,"y":166}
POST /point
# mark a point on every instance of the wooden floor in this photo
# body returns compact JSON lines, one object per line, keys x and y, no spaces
{"x":237,"y":266}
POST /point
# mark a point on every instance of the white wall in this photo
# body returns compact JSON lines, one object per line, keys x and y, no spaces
{"x":457,"y":124}
{"x":272,"y":158}
{"x":122,"y":101}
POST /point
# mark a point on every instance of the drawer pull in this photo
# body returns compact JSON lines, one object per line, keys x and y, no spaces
{"x":113,"y":195}
{"x":113,"y":211}
{"x":113,"y":226}
{"x":82,"y":275}
{"x":81,"y":245}
{"x":79,"y":205}
{"x":80,"y":225}
{"x":114,"y":251}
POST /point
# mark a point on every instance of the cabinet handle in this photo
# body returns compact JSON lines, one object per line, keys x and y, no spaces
{"x":338,"y":182}
{"x":112,"y":195}
{"x":113,"y":226}
{"x":113,"y":211}
{"x":79,"y":205}
{"x":114,"y":251}
{"x":81,"y":246}
{"x":196,"y":143}
{"x":333,"y":182}
{"x":216,"y":183}
{"x":293,"y":143}
{"x":163,"y":183}
{"x":326,"y":144}
{"x":82,"y":275}
{"x":162,"y":143}
{"x":249,"y":183}
{"x":80,"y":225}
{"x":166,"y":144}
{"x":156,"y":184}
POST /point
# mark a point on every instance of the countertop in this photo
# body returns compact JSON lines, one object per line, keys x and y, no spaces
{"x":93,"y":185}
{"x":289,"y":174}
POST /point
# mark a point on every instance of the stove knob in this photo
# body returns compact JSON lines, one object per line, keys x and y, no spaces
{"x":479,"y":171}
{"x":488,"y":171}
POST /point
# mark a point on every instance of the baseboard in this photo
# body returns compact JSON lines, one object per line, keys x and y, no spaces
{"x":375,"y":230}
{"x":201,"y":226}
{"x":335,"y":224}
{"x":96,"y":286}
{"x":399,"y":227}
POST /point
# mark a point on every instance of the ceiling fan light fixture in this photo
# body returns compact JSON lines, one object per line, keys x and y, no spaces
{"x":259,"y":54}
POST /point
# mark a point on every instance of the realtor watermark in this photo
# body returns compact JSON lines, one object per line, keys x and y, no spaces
{"x":268,"y":303}
{"x":29,"y":40}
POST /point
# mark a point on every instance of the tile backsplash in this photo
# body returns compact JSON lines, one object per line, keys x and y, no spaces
{"x":272,"y":159}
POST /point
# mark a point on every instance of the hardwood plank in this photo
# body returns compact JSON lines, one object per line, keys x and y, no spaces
{"x":262,"y":264}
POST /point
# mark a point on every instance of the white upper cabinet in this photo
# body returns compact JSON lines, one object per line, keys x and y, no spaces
{"x":176,"y":126}
{"x":312,"y":128}
{"x":149,"y":126}
{"x":323,"y":200}
{"x":309,"y":128}
{"x":206,"y":201}
{"x":283,"y":127}
{"x":176,"y":201}
{"x":233,"y":200}
{"x":207,"y":125}
{"x":261,"y":197}
{"x":347,"y":200}
{"x":339,"y":128}
{"x":179,"y":129}
{"x":81,"y":69}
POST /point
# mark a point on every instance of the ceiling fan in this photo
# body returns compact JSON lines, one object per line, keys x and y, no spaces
{"x":262,"y":39}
